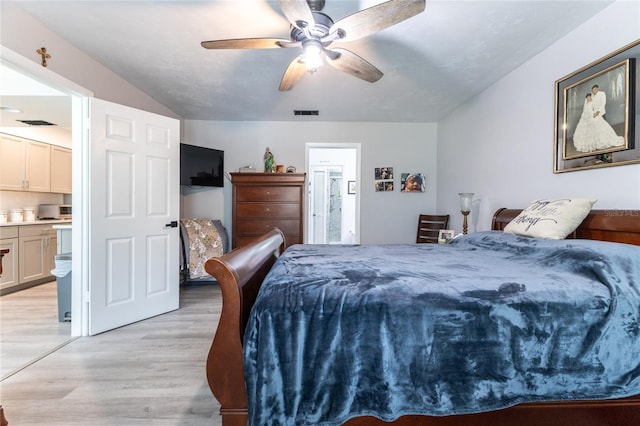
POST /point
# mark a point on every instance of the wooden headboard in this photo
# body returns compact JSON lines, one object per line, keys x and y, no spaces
{"x":620,"y":226}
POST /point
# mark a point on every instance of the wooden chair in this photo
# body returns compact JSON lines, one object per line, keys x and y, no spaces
{"x":429,"y":227}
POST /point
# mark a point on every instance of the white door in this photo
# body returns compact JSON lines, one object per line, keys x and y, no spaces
{"x":318,"y":206}
{"x":134,"y":183}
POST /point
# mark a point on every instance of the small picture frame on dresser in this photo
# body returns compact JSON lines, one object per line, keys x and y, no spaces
{"x":445,"y":236}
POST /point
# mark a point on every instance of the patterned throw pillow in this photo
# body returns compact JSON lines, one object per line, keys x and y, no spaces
{"x":553,"y":219}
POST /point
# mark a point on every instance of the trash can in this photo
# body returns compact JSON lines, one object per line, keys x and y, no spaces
{"x":63,"y":275}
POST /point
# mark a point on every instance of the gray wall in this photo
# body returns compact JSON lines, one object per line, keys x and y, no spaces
{"x":386,"y":217}
{"x":500,"y":144}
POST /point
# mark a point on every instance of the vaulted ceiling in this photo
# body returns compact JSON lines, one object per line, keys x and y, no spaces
{"x":432,"y":62}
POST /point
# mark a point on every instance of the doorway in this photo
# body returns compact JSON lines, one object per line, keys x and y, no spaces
{"x":91,"y":166}
{"x":31,"y":327}
{"x":333,"y":202}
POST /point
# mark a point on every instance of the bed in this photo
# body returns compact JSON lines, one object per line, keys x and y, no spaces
{"x":242,"y":272}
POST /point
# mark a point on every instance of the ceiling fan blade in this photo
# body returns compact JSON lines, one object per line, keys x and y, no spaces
{"x":297,"y":12}
{"x":353,"y":64}
{"x":292,"y":75}
{"x":376,"y":18}
{"x":248,"y":43}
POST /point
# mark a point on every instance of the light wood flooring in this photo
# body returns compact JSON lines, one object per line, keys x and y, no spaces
{"x":29,"y":327}
{"x":148,"y":373}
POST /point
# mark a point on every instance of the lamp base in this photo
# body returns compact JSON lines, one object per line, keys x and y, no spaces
{"x":465,"y":226}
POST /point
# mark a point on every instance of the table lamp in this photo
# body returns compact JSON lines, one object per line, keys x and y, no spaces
{"x":465,"y":208}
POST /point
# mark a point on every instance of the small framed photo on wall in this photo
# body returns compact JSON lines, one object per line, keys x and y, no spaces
{"x":383,"y":179}
{"x":413,"y":182}
{"x":351,"y":187}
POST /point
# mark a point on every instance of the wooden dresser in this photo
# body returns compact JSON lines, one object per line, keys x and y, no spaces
{"x":262,"y":201}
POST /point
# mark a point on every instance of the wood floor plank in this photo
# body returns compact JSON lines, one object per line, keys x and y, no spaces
{"x":29,"y":326}
{"x":148,"y":373}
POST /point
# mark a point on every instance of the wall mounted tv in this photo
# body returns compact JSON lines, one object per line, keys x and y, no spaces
{"x":200,"y":166}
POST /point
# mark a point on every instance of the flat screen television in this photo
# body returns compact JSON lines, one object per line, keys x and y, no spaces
{"x":200,"y":166}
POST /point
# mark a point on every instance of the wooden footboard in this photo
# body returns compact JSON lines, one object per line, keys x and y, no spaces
{"x":240,"y":274}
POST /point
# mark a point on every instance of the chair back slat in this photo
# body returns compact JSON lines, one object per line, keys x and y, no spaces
{"x":429,"y":227}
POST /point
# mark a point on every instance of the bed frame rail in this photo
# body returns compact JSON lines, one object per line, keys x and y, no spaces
{"x":240,"y":274}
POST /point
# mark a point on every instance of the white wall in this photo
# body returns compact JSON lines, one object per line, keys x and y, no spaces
{"x":386,"y":217}
{"x":23,"y":34}
{"x":500,"y":144}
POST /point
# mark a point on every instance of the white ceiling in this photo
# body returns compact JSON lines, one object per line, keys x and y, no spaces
{"x":432,"y":62}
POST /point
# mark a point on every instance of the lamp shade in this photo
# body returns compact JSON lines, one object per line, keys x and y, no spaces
{"x":465,"y":201}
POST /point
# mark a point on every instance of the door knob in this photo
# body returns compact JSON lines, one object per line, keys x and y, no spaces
{"x":173,"y":224}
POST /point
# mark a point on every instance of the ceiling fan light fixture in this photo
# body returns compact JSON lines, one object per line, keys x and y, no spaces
{"x":312,"y":51}
{"x":315,"y":31}
{"x":10,"y":109}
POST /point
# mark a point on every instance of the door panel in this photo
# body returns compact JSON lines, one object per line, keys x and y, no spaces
{"x":318,"y":206}
{"x":134,"y":192}
{"x":119,"y":262}
{"x":158,"y":248}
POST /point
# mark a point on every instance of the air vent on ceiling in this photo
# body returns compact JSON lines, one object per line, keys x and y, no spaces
{"x":306,"y":112}
{"x":36,"y":122}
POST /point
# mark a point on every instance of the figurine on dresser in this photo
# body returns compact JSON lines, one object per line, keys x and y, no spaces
{"x":269,"y":162}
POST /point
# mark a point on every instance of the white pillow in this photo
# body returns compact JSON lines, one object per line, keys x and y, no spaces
{"x":554,"y":219}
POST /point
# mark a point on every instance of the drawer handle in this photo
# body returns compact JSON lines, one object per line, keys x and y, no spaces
{"x":267,"y":209}
{"x":268,"y":193}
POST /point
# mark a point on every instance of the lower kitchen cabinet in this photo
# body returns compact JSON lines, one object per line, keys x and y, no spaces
{"x":37,"y":249}
{"x":9,"y":240}
{"x":32,"y":254}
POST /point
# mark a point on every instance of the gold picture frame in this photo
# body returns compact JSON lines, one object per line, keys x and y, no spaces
{"x":585,"y":137}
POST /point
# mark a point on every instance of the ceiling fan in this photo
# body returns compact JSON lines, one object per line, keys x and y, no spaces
{"x":314,"y":31}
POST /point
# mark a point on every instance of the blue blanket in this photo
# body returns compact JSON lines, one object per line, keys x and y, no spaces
{"x":485,"y":322}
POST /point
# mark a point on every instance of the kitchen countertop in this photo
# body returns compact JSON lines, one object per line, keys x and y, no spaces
{"x":62,"y":226}
{"x":39,"y":222}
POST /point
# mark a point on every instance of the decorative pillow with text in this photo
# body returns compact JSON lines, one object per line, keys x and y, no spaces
{"x":553,"y":219}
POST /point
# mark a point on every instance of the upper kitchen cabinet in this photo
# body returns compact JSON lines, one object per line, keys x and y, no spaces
{"x":25,"y":165}
{"x":60,"y":170}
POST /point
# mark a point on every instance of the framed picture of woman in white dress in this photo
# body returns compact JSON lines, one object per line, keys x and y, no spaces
{"x":595,"y":113}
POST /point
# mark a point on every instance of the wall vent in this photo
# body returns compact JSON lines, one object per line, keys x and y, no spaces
{"x":306,"y":112}
{"x":36,"y":122}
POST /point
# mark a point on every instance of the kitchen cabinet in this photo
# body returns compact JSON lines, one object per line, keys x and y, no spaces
{"x":60,"y":170}
{"x":262,"y":201}
{"x":9,"y":240}
{"x":37,"y":248}
{"x":25,"y":165}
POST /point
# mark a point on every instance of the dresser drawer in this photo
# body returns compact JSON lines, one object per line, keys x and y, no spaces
{"x":289,"y":240}
{"x":268,"y":193}
{"x":268,"y":210}
{"x":259,"y":227}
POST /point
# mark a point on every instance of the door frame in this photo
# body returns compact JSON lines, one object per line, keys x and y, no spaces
{"x":315,"y":145}
{"x":80,"y":143}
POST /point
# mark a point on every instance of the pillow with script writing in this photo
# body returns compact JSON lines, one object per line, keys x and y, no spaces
{"x":554,"y":219}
